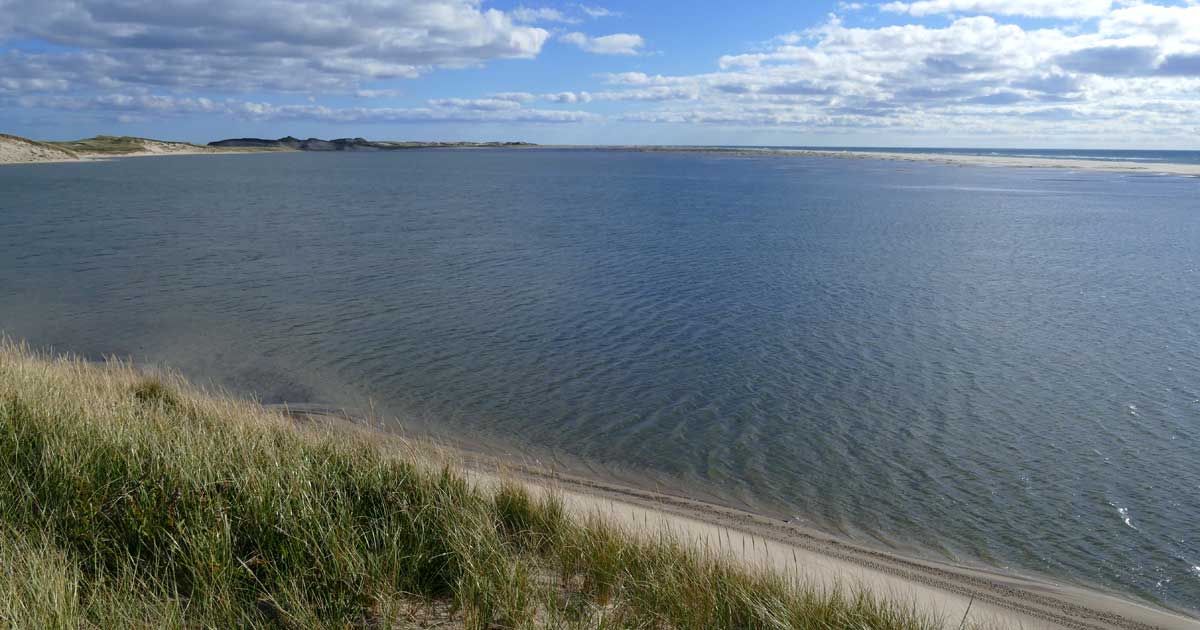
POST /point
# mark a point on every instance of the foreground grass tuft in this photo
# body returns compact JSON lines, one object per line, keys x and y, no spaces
{"x":128,"y":500}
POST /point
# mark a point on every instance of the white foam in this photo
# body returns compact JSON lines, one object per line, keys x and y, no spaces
{"x":1124,"y":512}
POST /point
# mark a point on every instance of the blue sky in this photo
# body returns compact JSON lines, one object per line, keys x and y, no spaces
{"x":1004,"y":73}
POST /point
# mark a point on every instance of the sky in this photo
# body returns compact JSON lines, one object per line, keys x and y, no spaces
{"x":925,"y":73}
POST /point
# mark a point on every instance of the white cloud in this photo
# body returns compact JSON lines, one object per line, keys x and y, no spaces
{"x":1061,"y":9}
{"x":520,"y":97}
{"x":443,"y":110}
{"x":598,"y":12}
{"x":377,"y":93}
{"x":264,"y":44}
{"x":479,"y":104}
{"x":615,"y":44}
{"x":567,"y":97}
{"x":1114,"y":69}
{"x":1137,"y":71}
{"x":525,"y":14}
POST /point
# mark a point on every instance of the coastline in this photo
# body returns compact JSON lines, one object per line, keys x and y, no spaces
{"x":1112,"y":166}
{"x":994,"y":161}
{"x":992,"y":597}
{"x":98,"y":157}
{"x":1115,"y":166}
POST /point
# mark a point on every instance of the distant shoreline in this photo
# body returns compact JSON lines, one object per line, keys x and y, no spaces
{"x":17,"y":150}
{"x":1114,"y":166}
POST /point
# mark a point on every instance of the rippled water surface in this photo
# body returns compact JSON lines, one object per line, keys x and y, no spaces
{"x":998,"y":366}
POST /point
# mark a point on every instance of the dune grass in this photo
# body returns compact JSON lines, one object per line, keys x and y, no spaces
{"x":128,"y":500}
{"x":105,"y":145}
{"x":49,"y":146}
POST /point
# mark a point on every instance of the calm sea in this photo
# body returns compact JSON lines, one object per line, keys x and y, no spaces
{"x":997,"y":366}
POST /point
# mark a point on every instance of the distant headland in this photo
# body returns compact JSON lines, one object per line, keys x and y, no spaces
{"x":350,"y":144}
{"x":18,"y":150}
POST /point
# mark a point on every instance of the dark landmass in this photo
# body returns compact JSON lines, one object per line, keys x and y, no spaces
{"x":350,"y":144}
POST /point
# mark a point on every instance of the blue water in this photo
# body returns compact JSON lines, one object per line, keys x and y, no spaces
{"x":996,"y":366}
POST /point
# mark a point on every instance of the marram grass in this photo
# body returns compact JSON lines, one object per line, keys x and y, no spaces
{"x":135,"y":501}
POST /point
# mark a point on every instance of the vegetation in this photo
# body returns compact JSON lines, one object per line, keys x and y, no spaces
{"x":50,"y":146}
{"x":110,"y":145}
{"x":131,"y":500}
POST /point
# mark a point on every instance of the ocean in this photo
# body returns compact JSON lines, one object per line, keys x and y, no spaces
{"x":993,"y":366}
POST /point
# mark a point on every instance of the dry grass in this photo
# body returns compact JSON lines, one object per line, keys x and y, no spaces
{"x":128,"y":500}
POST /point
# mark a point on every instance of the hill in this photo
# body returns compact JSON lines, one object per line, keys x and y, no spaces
{"x":350,"y":144}
{"x":17,"y":150}
{"x":128,"y":500}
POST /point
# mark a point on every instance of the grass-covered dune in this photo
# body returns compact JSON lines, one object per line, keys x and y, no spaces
{"x":129,"y":500}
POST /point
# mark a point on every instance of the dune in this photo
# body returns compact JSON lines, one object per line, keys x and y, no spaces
{"x":18,"y":150}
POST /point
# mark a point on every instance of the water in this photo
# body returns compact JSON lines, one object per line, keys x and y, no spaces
{"x":998,"y":366}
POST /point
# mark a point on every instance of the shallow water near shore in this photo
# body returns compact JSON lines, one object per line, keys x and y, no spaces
{"x":998,"y":366}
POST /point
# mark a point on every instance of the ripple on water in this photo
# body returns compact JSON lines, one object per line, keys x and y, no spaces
{"x":925,"y":354}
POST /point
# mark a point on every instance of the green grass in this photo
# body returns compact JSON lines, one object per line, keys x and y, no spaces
{"x":125,"y":145}
{"x":105,"y":145}
{"x":136,"y":501}
{"x":52,"y":146}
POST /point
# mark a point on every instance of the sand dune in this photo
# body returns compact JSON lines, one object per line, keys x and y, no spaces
{"x":17,"y":150}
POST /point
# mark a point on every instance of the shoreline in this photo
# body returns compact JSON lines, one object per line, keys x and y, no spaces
{"x":993,"y":596}
{"x":993,"y":161}
{"x":1080,"y":164}
{"x":100,"y":157}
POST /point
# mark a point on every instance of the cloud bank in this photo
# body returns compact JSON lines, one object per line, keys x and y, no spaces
{"x":925,"y":69}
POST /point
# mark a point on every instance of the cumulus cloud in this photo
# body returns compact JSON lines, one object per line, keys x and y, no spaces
{"x":1089,"y":67}
{"x":615,"y":44}
{"x":525,"y":14}
{"x":377,"y":93}
{"x":479,"y":104}
{"x":1061,"y":9}
{"x":519,"y":97}
{"x":438,"y":110}
{"x":1135,"y":69}
{"x":264,"y":44}
{"x":567,"y":97}
{"x":598,"y":12}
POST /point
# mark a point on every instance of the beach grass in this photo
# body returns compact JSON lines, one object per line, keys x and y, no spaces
{"x":136,"y":500}
{"x":50,"y":146}
{"x":106,"y":145}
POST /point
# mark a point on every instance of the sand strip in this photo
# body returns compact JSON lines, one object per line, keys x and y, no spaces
{"x":996,"y":599}
{"x":1142,"y":168}
{"x":949,"y":592}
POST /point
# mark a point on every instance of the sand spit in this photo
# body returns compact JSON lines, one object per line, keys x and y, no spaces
{"x":1116,"y":166}
{"x":1144,"y":168}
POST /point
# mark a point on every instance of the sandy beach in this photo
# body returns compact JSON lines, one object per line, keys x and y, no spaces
{"x":16,"y":150}
{"x":1155,"y":168}
{"x":1115,"y":166}
{"x":951,"y":592}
